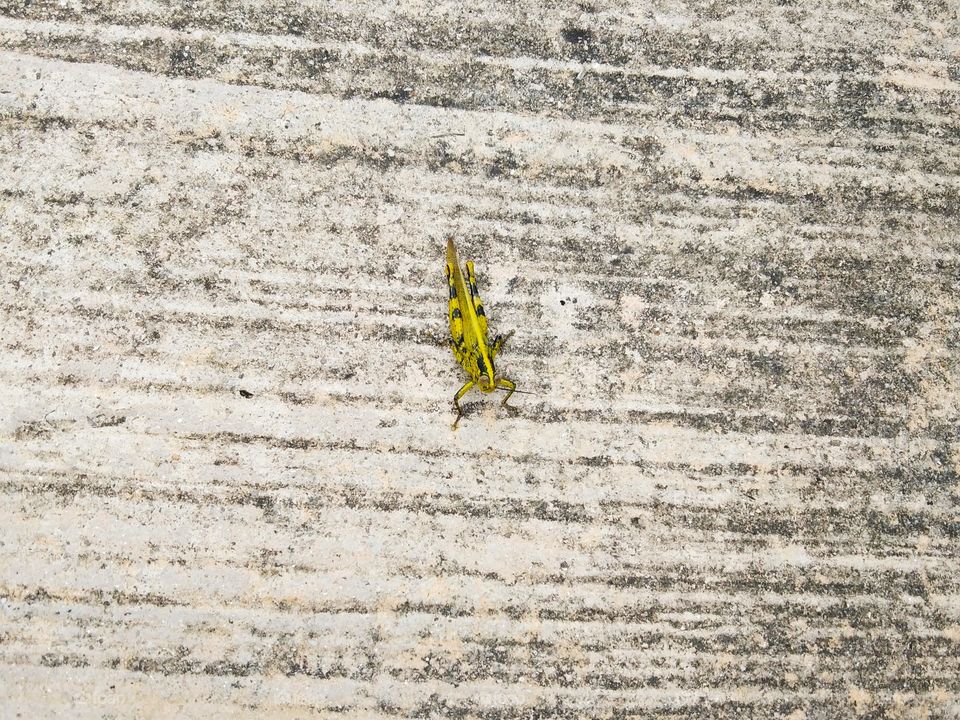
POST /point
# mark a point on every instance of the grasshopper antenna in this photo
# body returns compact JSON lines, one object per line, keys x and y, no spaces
{"x":524,"y":392}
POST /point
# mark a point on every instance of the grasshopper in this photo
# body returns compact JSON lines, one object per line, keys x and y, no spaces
{"x":468,"y":334}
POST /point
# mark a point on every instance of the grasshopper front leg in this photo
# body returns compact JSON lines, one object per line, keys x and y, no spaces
{"x":510,"y":386}
{"x":456,"y":400}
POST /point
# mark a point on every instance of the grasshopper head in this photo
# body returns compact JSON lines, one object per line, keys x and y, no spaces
{"x":486,"y":382}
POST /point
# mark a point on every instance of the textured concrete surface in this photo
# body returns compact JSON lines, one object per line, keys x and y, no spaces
{"x":727,"y":237}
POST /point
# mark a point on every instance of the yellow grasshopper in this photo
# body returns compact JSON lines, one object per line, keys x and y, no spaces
{"x":468,"y":334}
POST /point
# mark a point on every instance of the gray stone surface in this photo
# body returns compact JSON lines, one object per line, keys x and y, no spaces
{"x":727,"y":237}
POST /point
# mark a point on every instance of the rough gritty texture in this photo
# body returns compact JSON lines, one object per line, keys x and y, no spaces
{"x":727,"y":237}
